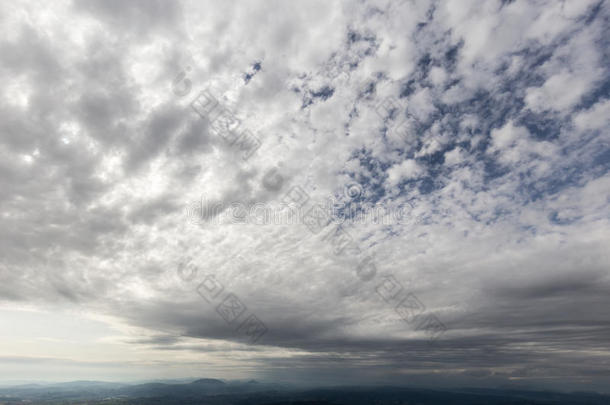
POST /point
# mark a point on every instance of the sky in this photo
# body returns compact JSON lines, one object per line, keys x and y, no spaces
{"x":351,"y":192}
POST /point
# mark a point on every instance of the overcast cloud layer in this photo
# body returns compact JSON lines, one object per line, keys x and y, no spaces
{"x":497,"y":158}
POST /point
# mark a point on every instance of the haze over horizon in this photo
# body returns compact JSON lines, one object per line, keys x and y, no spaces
{"x":370,"y":192}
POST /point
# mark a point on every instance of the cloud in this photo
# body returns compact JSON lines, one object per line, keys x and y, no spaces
{"x":483,"y":125}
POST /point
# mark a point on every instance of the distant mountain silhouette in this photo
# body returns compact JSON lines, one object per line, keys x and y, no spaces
{"x":216,"y":392}
{"x":209,"y":381}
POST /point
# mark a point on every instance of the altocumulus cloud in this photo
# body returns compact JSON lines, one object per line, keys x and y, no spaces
{"x":488,"y":120}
